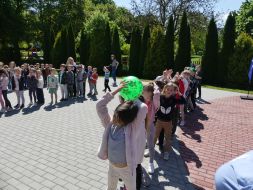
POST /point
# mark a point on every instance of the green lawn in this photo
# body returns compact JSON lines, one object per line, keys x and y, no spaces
{"x":229,"y":89}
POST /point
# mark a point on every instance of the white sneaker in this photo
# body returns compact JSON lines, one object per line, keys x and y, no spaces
{"x":182,"y":123}
{"x":146,"y":154}
{"x":35,"y":104}
{"x":30,"y":104}
{"x":151,"y":168}
{"x":2,"y":110}
{"x":166,"y":156}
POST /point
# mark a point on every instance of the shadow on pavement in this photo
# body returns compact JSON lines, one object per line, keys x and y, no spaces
{"x":193,"y":124}
{"x":93,"y":98}
{"x":171,"y":173}
{"x":202,"y":101}
{"x":189,"y":155}
{"x":32,"y":109}
{"x":11,"y":113}
{"x":50,"y":107}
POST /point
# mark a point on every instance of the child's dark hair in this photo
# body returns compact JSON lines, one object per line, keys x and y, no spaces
{"x":149,"y":87}
{"x":160,"y":84}
{"x":126,"y":112}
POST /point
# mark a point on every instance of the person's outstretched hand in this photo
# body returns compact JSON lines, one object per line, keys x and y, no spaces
{"x":120,"y":87}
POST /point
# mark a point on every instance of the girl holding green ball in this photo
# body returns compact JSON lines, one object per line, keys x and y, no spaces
{"x":120,"y":143}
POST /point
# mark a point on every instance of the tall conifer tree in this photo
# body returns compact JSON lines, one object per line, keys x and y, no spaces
{"x":210,"y":58}
{"x":183,"y":57}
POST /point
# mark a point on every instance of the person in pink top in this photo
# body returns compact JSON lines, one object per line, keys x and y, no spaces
{"x":151,"y":97}
{"x":183,"y":88}
{"x":120,"y":139}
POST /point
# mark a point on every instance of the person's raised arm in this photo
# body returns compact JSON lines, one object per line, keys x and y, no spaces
{"x":102,"y":109}
{"x":156,"y":97}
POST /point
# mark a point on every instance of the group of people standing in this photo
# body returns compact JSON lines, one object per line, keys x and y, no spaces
{"x":140,"y":123}
{"x":134,"y":125}
{"x":71,"y":79}
{"x":18,"y":79}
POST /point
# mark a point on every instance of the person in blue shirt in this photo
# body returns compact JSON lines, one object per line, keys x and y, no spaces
{"x":236,"y":174}
{"x":107,"y":77}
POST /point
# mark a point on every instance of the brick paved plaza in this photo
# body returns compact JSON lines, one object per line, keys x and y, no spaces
{"x":54,"y":147}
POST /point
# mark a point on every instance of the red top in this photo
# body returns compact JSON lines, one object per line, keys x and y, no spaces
{"x":94,"y":78}
{"x":181,"y":86}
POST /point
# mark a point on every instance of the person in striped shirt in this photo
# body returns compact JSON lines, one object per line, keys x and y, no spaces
{"x":107,"y":76}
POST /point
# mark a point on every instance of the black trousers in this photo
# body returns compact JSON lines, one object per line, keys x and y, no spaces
{"x":70,"y":90}
{"x":193,"y":99}
{"x":74,"y":89}
{"x":107,"y":85}
{"x":161,"y":139}
{"x":199,"y":90}
{"x":32,"y":94}
{"x":138,"y":177}
{"x":6,"y":100}
{"x":40,"y":96}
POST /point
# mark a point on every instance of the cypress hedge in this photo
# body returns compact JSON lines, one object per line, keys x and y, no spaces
{"x":169,"y":40}
{"x":227,"y":50}
{"x":134,"y":57}
{"x":210,"y":57}
{"x":183,"y":57}
{"x":84,"y":48}
{"x":116,"y":50}
{"x":144,"y":49}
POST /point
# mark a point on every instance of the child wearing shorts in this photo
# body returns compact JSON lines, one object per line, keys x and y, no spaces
{"x":52,"y":85}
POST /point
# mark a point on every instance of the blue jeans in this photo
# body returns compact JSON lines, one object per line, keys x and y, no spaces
{"x":114,"y":69}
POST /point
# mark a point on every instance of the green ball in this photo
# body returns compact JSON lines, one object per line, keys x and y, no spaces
{"x":133,"y":89}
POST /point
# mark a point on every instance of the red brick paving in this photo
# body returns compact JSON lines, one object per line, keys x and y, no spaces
{"x":215,"y":134}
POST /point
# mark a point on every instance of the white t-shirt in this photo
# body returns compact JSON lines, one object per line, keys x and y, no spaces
{"x":40,"y":82}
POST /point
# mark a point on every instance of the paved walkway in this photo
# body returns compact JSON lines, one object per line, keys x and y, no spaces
{"x":54,"y":147}
{"x":218,"y":132}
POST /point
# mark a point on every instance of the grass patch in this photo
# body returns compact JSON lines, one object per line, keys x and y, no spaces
{"x":229,"y":89}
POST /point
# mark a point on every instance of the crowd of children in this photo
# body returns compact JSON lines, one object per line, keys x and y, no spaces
{"x":134,"y":125}
{"x":71,"y":79}
{"x":140,"y":123}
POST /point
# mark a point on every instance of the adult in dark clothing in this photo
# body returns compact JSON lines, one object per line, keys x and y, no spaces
{"x":199,"y":80}
{"x":114,"y":67}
